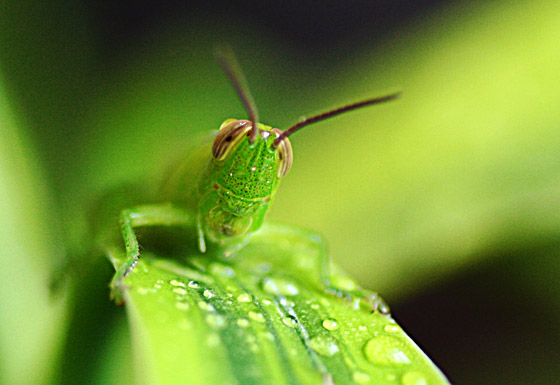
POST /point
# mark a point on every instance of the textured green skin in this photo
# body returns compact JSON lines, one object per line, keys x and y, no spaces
{"x":238,"y":190}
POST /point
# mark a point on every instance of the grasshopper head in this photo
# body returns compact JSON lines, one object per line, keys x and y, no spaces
{"x":241,"y":179}
{"x":237,"y":135}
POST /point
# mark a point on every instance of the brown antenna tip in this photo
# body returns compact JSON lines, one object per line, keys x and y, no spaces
{"x":331,"y":113}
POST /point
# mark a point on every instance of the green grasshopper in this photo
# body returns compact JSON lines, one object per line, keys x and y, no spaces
{"x":223,"y":190}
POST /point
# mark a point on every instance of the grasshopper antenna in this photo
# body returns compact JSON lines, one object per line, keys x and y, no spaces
{"x":231,"y":67}
{"x":331,"y":113}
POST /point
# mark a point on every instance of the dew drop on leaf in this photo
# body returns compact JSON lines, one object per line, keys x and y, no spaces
{"x":324,"y":346}
{"x":266,"y":302}
{"x":391,"y":328}
{"x":287,"y":303}
{"x":206,"y":306}
{"x":179,"y":290}
{"x":256,"y":316}
{"x":289,"y":322}
{"x":244,"y":297}
{"x":385,"y":350}
{"x":330,"y":324}
{"x":176,"y":283}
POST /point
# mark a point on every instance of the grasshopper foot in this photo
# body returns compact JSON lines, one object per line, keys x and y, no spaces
{"x":118,"y":287}
{"x":360,"y":299}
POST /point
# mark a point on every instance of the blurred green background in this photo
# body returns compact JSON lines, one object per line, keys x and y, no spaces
{"x":447,"y":202}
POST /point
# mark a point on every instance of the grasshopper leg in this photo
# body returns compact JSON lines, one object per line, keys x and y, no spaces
{"x":362,"y":298}
{"x":143,"y":216}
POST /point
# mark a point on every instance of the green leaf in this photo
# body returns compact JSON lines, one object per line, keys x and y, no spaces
{"x":259,"y":318}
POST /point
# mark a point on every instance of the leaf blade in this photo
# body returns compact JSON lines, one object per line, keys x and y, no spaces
{"x":260,"y":318}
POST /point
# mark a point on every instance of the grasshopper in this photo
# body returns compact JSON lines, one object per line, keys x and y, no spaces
{"x":223,"y":189}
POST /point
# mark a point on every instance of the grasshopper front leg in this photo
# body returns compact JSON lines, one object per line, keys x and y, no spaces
{"x":368,"y":299}
{"x":164,"y":214}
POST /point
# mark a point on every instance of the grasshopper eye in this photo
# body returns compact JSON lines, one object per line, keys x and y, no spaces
{"x":227,"y":122}
{"x":231,"y":132}
{"x":285,"y":156}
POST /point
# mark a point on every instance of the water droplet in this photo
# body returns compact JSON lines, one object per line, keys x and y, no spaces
{"x":244,"y":297}
{"x":193,"y":284}
{"x":206,"y":306}
{"x":256,"y":316}
{"x":362,"y":328}
{"x":386,"y":350}
{"x":315,"y":306}
{"x":330,"y":324}
{"x":182,"y":305}
{"x":391,"y":328}
{"x":414,"y":378}
{"x":243,"y":322}
{"x":278,"y":286}
{"x":289,"y":321}
{"x":179,"y":290}
{"x":361,"y":377}
{"x":176,"y":283}
{"x":287,"y":303}
{"x":208,"y":293}
{"x":266,"y":302}
{"x":324,"y":346}
{"x":216,"y":321}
